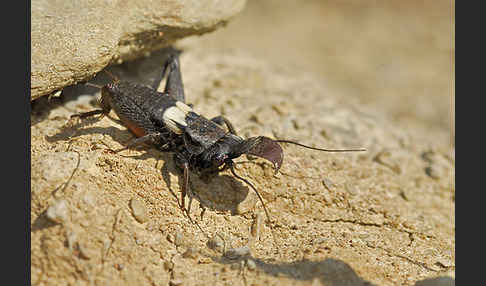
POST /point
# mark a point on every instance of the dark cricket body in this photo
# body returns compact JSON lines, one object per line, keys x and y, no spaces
{"x":164,"y":120}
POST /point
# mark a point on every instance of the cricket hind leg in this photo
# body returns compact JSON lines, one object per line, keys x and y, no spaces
{"x":105,"y":109}
{"x":174,"y":85}
{"x":77,"y":118}
{"x":88,"y":114}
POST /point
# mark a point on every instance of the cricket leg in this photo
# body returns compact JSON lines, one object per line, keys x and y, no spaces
{"x":173,"y":85}
{"x":151,"y":137}
{"x":182,"y":165}
{"x":220,"y":120}
{"x":105,"y":109}
{"x":74,"y":118}
{"x":89,"y":113}
{"x":185,"y":186}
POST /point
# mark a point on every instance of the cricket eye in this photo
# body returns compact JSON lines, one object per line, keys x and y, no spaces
{"x":265,"y":148}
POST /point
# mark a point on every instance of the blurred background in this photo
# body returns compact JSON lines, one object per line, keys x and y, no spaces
{"x":394,"y":56}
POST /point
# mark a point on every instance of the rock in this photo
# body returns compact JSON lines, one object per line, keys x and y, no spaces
{"x":256,"y":226}
{"x":57,"y":167}
{"x":175,"y":282}
{"x":216,"y":243}
{"x":251,"y":264}
{"x":178,"y":238}
{"x":71,"y":41}
{"x":58,"y":212}
{"x":191,"y":253}
{"x":139,"y":210}
{"x":236,"y":253}
{"x":433,"y":172}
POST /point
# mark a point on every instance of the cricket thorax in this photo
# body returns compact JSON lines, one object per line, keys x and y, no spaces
{"x":227,"y":148}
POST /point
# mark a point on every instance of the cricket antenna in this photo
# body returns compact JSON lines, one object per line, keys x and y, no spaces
{"x":320,"y":149}
{"x":231,"y":165}
{"x":93,"y":85}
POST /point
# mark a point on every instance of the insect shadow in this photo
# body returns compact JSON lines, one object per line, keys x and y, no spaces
{"x":222,"y":193}
{"x":329,"y":271}
{"x":42,"y":222}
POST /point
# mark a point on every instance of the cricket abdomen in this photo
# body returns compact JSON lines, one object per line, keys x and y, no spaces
{"x":134,"y":128}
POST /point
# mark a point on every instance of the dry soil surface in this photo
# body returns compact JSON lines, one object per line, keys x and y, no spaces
{"x":380,"y":217}
{"x":384,"y":216}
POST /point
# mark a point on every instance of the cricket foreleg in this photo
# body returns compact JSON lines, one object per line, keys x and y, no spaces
{"x":220,"y":120}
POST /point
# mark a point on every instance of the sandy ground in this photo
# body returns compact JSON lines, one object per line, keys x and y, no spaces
{"x":394,"y":56}
{"x":381,"y":217}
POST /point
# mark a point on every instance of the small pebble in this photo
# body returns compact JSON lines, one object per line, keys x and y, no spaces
{"x":191,"y":252}
{"x":168,"y":265}
{"x":236,"y":253}
{"x":251,"y":264}
{"x":352,"y":189}
{"x":139,"y":211}
{"x":71,"y":240}
{"x":405,"y":195}
{"x":320,"y":240}
{"x":385,"y":158}
{"x":328,"y":184}
{"x":175,"y":282}
{"x":235,"y":266}
{"x":58,"y":212}
{"x":84,"y":252}
{"x":178,"y":239}
{"x":256,"y":226}
{"x":216,"y":243}
{"x":433,"y":172}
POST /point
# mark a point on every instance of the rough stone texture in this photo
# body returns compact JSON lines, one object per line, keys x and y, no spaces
{"x":340,"y":219}
{"x":73,"y":40}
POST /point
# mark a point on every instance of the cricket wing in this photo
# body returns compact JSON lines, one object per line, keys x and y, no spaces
{"x":202,"y":130}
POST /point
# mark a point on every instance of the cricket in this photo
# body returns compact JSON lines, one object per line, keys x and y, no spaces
{"x":165,"y":121}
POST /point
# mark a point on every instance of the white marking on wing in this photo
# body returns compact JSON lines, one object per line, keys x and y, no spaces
{"x":175,"y":115}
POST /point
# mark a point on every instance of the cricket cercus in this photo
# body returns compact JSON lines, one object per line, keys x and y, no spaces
{"x":165,"y":121}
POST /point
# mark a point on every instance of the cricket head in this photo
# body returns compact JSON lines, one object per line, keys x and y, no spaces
{"x":231,"y":146}
{"x":263,"y":147}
